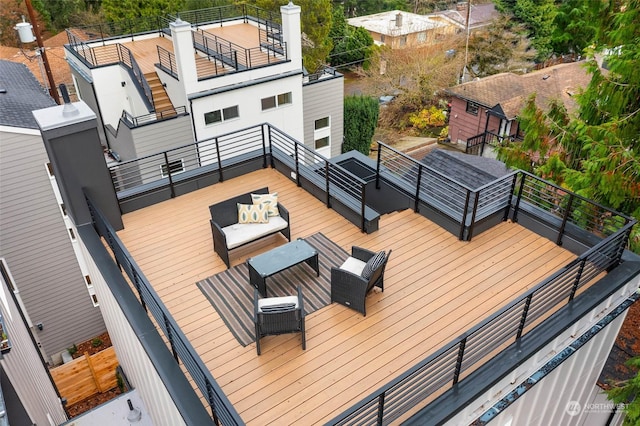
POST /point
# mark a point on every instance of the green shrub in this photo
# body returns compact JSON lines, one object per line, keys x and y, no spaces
{"x":360,"y":121}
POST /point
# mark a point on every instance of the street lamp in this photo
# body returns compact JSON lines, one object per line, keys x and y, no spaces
{"x":24,"y":32}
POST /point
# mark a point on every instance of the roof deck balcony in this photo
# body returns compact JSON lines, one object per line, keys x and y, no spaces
{"x":473,"y":270}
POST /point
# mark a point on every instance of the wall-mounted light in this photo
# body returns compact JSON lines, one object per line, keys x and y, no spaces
{"x":123,"y":83}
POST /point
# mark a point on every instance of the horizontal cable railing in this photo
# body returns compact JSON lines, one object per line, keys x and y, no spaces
{"x":222,"y":410}
{"x":464,"y":354}
{"x":167,"y":62}
{"x":517,"y":191}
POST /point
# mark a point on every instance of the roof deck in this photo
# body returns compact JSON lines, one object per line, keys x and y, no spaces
{"x":220,"y":48}
{"x":436,"y":288}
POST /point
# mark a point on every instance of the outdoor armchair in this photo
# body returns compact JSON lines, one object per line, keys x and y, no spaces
{"x":278,"y":315}
{"x":360,"y":273}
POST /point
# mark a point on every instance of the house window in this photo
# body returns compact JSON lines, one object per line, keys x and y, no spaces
{"x":422,"y":37}
{"x":403,"y":40}
{"x":472,"y":108}
{"x":230,"y":112}
{"x":322,"y":134}
{"x":322,"y":123}
{"x":322,"y":142}
{"x":382,"y":38}
{"x":276,"y":101}
{"x":213,"y":117}
{"x":221,"y":115}
{"x":284,"y":98}
{"x":174,"y":168}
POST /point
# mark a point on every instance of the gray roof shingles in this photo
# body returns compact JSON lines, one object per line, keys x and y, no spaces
{"x":470,"y":170}
{"x":20,"y":94}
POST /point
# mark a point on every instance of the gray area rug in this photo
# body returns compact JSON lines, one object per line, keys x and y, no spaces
{"x":232,"y":296}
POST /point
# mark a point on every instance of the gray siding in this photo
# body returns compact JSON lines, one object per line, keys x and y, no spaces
{"x":23,"y":368}
{"x":35,"y":242}
{"x":325,"y":98}
{"x":163,"y":135}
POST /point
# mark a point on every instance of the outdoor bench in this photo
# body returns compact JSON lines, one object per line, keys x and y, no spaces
{"x":229,"y":234}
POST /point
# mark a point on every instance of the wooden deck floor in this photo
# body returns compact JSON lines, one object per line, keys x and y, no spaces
{"x":436,"y":287}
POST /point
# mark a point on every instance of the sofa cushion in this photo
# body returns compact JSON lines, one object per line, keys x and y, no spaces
{"x":353,"y":265}
{"x":242,"y":233}
{"x":271,"y":201}
{"x":253,"y":213}
{"x":277,"y":304}
{"x":373,"y":264}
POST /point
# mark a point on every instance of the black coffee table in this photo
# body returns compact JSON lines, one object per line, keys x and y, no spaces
{"x":279,"y":259}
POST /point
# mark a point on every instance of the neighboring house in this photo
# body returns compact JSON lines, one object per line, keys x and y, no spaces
{"x":39,"y":257}
{"x":398,"y":29}
{"x":486,"y":110}
{"x":207,"y":73}
{"x":480,"y":15}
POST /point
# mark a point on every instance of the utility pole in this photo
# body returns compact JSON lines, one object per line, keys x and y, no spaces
{"x":466,"y":48}
{"x":52,"y":85}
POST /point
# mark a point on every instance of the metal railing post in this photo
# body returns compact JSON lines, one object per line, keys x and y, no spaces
{"x":508,"y":207}
{"x":464,"y":216}
{"x":166,"y":162}
{"x":523,"y":319}
{"x":416,"y":204}
{"x":565,"y":217}
{"x":326,"y":173}
{"x":517,"y":206}
{"x":297,"y":159}
{"x":219,"y":158}
{"x":170,"y":338}
{"x":381,"y":409}
{"x":136,"y":283}
{"x":576,"y":282}
{"x":378,"y":165}
{"x":458,"y":367}
{"x":363,"y":190}
{"x":473,"y":215}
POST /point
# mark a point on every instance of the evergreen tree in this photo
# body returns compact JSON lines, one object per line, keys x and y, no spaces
{"x":360,"y":121}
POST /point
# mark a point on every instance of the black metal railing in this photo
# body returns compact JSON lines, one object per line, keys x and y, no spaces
{"x":135,"y":121}
{"x":112,"y":54}
{"x":167,"y":62}
{"x":230,"y":57}
{"x":167,"y":169}
{"x":464,"y":354}
{"x":222,"y":411}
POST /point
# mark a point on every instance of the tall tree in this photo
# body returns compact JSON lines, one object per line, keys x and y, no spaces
{"x":600,"y":146}
{"x":538,"y":16}
{"x":360,"y":120}
{"x":350,"y":45}
{"x":119,"y":10}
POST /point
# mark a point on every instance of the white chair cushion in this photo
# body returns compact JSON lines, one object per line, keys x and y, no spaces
{"x":353,"y":265}
{"x":275,"y":301}
{"x":241,"y":233}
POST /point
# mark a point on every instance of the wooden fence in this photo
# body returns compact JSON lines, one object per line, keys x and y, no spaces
{"x":86,"y":376}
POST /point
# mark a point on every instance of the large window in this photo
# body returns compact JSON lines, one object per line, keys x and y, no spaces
{"x":276,"y":101}
{"x":472,"y":108}
{"x":221,"y":115}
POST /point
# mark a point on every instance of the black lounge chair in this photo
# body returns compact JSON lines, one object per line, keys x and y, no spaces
{"x":357,"y":276}
{"x":278,"y":315}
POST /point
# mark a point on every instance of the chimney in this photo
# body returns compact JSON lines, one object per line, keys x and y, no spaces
{"x":398,"y":20}
{"x":461,"y":6}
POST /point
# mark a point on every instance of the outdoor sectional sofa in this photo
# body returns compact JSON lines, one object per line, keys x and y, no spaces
{"x":228,"y":234}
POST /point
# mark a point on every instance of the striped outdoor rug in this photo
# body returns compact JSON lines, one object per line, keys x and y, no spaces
{"x":232,"y":296}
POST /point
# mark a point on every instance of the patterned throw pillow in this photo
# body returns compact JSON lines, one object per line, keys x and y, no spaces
{"x":271,"y":200}
{"x":253,"y":213}
{"x":373,"y":264}
{"x":281,"y":307}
